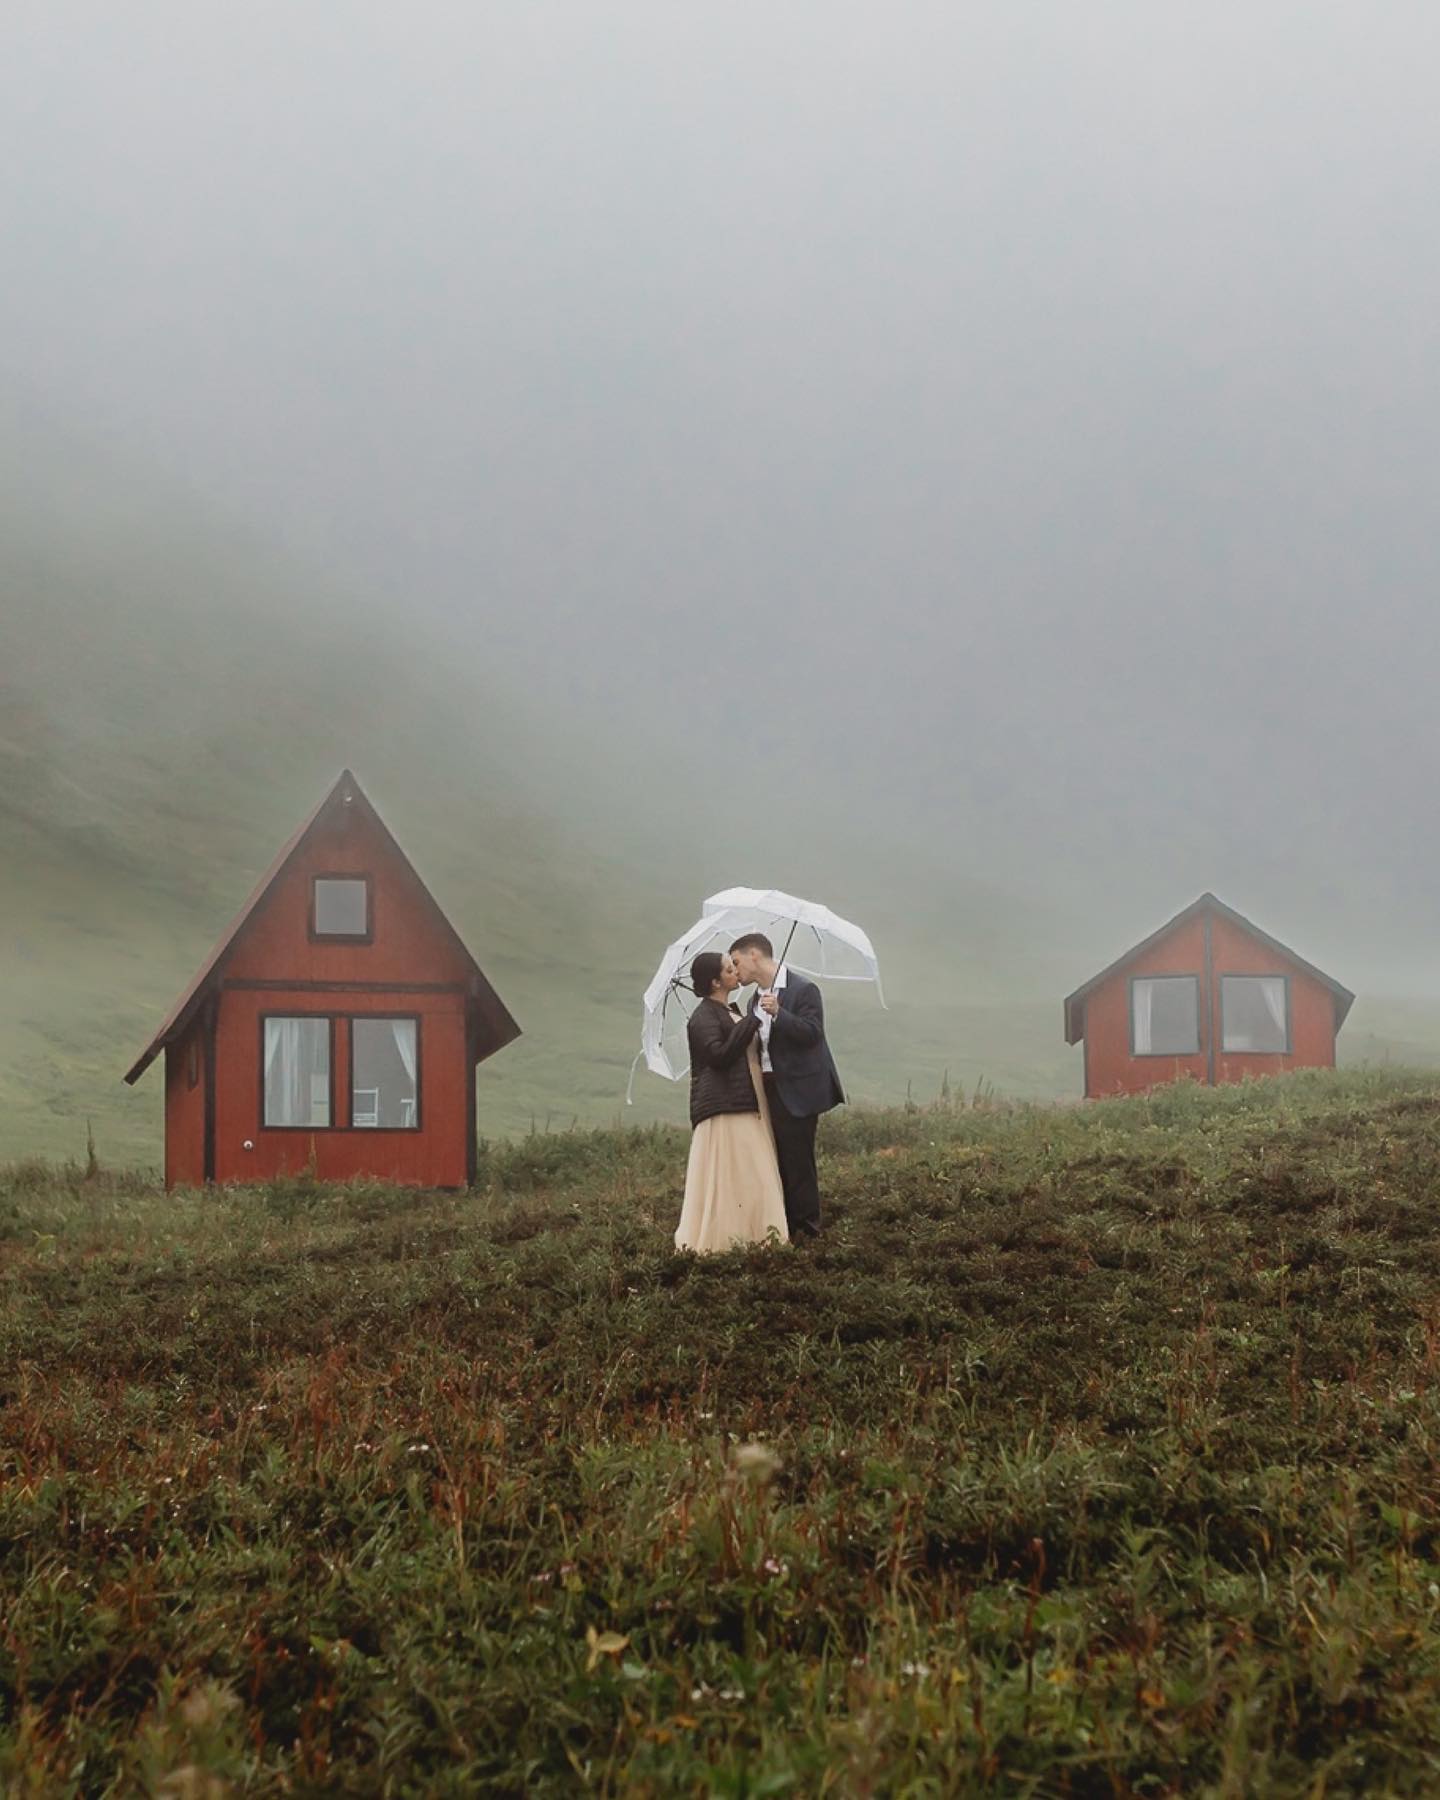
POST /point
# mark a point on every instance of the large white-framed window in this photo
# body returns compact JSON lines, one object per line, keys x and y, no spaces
{"x":1255,"y":1015}
{"x":1165,"y":1015}
{"x":385,"y":1073}
{"x":296,"y":1064}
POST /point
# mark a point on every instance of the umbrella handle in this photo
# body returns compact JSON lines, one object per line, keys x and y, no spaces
{"x":630,"y":1086}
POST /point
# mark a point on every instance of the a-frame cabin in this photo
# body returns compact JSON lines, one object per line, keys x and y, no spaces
{"x":338,"y":1023}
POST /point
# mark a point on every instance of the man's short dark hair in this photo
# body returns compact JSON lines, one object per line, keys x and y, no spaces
{"x":754,"y":940}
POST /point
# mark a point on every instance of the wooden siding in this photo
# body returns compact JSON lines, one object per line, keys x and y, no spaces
{"x":1110,"y":1067}
{"x":412,"y":966}
{"x":185,"y":1111}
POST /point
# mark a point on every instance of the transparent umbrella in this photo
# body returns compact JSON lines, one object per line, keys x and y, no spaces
{"x":807,"y":936}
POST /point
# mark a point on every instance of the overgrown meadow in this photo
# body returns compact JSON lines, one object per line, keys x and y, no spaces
{"x":1092,"y":1451}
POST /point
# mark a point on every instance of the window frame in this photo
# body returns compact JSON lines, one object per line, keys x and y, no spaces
{"x":385,"y":1018}
{"x":342,"y":937}
{"x":1250,"y":975}
{"x":330,"y":1020}
{"x":1163,"y":1055}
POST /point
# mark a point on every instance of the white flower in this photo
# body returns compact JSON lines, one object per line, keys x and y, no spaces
{"x":914,"y":1668}
{"x":758,"y":1461}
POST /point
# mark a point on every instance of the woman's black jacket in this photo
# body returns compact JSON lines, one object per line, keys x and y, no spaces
{"x":719,"y":1071}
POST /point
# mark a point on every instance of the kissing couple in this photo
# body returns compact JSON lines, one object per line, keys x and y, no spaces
{"x":759,"y":1081}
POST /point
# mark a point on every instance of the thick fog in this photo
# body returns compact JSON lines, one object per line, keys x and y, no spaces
{"x":1003,"y":437}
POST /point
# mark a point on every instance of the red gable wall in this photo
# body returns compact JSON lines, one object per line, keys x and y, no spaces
{"x":1312,"y":1007}
{"x":408,"y":941}
{"x":1109,"y":1066}
{"x":1111,"y":1069}
{"x":412,"y":967}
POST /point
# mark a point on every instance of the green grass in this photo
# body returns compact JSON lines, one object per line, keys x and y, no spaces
{"x":1093,"y":1451}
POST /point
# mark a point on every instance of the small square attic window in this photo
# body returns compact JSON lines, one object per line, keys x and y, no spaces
{"x":341,"y":907}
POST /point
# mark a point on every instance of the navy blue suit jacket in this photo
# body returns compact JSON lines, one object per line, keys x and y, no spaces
{"x":805,"y":1071}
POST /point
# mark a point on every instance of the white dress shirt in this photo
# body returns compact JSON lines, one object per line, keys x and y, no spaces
{"x":766,"y":1021}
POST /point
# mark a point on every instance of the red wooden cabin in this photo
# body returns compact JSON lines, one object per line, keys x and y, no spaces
{"x":339,"y":1019}
{"x":1209,"y":996}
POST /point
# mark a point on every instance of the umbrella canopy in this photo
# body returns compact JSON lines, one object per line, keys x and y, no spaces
{"x":809,"y":937}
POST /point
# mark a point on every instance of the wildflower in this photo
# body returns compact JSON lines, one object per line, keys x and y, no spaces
{"x":415,"y":1447}
{"x":204,"y":1707}
{"x":758,"y":1461}
{"x":603,"y":1643}
{"x":916,"y":1669}
{"x":773,"y":1566}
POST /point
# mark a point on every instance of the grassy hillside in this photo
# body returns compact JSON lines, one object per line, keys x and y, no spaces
{"x":173,"y":699}
{"x":1091,"y":1452}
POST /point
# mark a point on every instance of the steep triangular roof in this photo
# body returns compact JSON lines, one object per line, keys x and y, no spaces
{"x":1075,"y":1003}
{"x":346,"y":792}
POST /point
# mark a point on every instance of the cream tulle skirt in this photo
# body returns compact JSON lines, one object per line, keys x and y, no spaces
{"x":732,"y":1184}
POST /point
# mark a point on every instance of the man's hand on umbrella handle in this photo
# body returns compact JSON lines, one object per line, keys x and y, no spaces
{"x":770,"y":1003}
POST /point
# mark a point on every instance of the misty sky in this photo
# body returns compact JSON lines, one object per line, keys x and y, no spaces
{"x":1007,"y":428}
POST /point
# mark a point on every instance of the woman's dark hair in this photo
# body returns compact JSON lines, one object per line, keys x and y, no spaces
{"x":705,"y":972}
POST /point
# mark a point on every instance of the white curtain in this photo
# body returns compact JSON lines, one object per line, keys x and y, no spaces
{"x":1272,"y":989}
{"x":297,"y":1071}
{"x":1255,"y":1014}
{"x":1143,"y":1004}
{"x":404,"y":1034}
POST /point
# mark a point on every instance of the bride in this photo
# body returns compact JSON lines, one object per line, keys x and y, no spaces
{"x":732,"y":1184}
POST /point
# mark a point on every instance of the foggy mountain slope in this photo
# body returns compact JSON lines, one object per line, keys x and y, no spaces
{"x":171,"y":704}
{"x":173,"y":701}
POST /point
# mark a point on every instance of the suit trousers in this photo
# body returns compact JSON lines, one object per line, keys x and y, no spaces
{"x":795,"y":1150}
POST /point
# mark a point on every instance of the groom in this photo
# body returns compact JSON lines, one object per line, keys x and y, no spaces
{"x":800,"y":1076}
